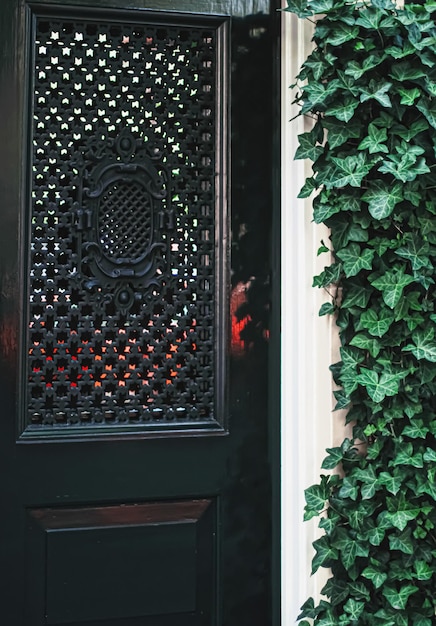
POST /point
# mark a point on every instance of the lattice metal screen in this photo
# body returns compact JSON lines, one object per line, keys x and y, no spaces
{"x":122,"y":268}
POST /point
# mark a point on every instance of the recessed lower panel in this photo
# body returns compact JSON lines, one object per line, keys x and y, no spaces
{"x":121,"y":562}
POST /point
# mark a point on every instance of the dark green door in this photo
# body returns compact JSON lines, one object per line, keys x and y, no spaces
{"x":137,"y":364}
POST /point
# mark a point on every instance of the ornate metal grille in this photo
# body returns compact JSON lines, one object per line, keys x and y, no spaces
{"x":122,"y":278}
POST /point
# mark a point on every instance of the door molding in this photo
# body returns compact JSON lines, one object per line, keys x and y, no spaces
{"x":308,"y":344}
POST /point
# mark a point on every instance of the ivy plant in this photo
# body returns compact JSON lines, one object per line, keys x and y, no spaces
{"x":370,"y":87}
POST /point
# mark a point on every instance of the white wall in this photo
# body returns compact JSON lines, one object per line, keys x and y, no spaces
{"x":308,"y":347}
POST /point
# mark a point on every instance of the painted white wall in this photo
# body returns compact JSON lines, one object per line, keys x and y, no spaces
{"x":309,"y":346}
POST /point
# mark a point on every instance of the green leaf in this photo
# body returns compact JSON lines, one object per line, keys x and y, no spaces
{"x":350,"y":170}
{"x":406,"y":71}
{"x":391,"y":482}
{"x":406,"y":456}
{"x":369,"y":18}
{"x":375,"y":141}
{"x":408,"y":96}
{"x":415,"y":429}
{"x":325,"y":554}
{"x":308,"y":148}
{"x":376,"y":324}
{"x":380,"y":386}
{"x":335,"y":456}
{"x":354,"y":609}
{"x":361,"y":340}
{"x":423,"y":571}
{"x":427,"y":107}
{"x":424,"y":345}
{"x":299,"y":7}
{"x":416,"y":250}
{"x":409,"y":132}
{"x":316,"y":496}
{"x":399,"y":599}
{"x":430,"y":455}
{"x":339,"y":133}
{"x":348,"y":489}
{"x":342,"y":33}
{"x":322,"y":210}
{"x":343,"y":110}
{"x":315,"y":96}
{"x":382,"y":198}
{"x":405,"y":166}
{"x":377,"y":91}
{"x":376,"y":576}
{"x":308,"y":188}
{"x":392,"y":284}
{"x":327,"y":309}
{"x":330,"y":275}
{"x":355,"y":259}
{"x":356,"y":295}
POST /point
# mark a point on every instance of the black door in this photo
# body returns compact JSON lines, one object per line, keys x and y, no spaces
{"x":136,"y":262}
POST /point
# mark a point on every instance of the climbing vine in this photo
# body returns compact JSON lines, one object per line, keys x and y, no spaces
{"x":369,"y":86}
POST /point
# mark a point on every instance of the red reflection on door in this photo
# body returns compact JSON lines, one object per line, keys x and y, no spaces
{"x":238,"y":298}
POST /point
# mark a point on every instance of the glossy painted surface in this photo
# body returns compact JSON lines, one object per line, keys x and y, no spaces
{"x":232,"y":470}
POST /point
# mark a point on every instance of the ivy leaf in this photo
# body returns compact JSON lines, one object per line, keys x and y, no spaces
{"x":405,"y":71}
{"x":405,"y":166}
{"x":308,"y":148}
{"x":391,"y":482}
{"x":299,"y":7}
{"x":316,"y":94}
{"x":316,"y":496}
{"x":355,"y":259}
{"x":339,"y":133}
{"x":424,"y":345}
{"x":382,"y":198}
{"x":349,"y":171}
{"x":399,"y":599}
{"x":343,"y":110}
{"x":402,"y":542}
{"x":415,"y":250}
{"x":375,"y":141}
{"x":380,"y":386}
{"x":342,"y":33}
{"x":356,"y":295}
{"x":323,"y":210}
{"x":415,"y":429}
{"x":409,"y":132}
{"x":327,"y":309}
{"x":408,"y":96}
{"x":377,"y":91}
{"x":369,"y":18}
{"x":392,"y":284}
{"x":354,"y":609}
{"x":335,"y":456}
{"x":430,"y":455}
{"x":427,"y":107}
{"x":330,"y":275}
{"x":321,"y":6}
{"x":423,"y":571}
{"x":325,"y":554}
{"x":376,"y":576}
{"x":406,"y":456}
{"x":308,"y":188}
{"x":361,"y":340}
{"x":376,"y":324}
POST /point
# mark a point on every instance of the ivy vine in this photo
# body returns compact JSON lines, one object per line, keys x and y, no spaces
{"x":370,"y":87}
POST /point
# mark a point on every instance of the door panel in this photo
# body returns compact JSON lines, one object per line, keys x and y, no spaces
{"x":135,"y":308}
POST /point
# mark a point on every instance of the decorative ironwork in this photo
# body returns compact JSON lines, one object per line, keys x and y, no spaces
{"x":122,"y":268}
{"x":121,"y":199}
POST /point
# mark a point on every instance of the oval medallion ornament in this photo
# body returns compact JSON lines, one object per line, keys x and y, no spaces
{"x":124,"y":216}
